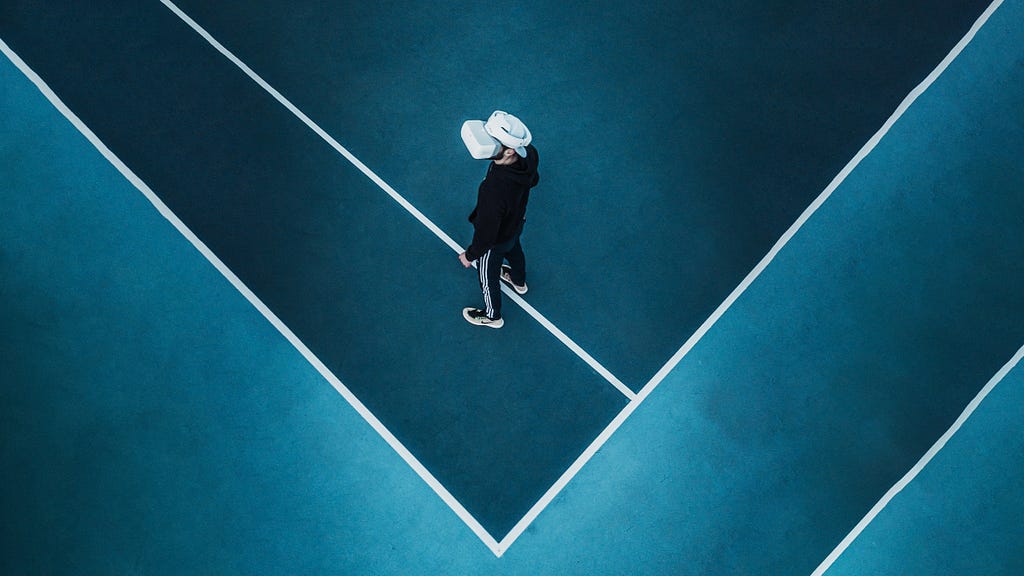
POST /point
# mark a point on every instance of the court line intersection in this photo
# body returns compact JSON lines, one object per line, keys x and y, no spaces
{"x":635,"y":399}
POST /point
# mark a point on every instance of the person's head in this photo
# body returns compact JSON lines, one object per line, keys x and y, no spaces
{"x":501,"y":139}
{"x":505,"y":156}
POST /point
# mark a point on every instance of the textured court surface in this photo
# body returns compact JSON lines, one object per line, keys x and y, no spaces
{"x":154,"y":421}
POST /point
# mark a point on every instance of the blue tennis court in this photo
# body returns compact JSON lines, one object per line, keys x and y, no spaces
{"x":773,"y":323}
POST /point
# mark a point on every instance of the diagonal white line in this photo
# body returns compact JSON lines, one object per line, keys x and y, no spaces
{"x":693,"y":339}
{"x":568,"y":342}
{"x":788,"y":235}
{"x":569,"y":474}
{"x":913,"y":472}
{"x":360,"y":408}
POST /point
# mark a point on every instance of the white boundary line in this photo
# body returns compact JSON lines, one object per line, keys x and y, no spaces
{"x":788,"y":235}
{"x":569,"y":474}
{"x":360,"y":408}
{"x":568,"y":342}
{"x":910,"y":475}
{"x":742,"y":287}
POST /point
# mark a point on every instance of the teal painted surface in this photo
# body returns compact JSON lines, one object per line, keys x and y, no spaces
{"x":368,"y":289}
{"x":961,"y":514}
{"x":152,"y":421}
{"x":683,"y":138}
{"x":139,"y":435}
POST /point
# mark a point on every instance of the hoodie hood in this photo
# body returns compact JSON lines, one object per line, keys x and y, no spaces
{"x":523,"y":172}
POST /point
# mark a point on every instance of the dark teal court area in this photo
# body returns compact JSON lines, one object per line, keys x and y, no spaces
{"x":683,"y":138}
{"x":153,"y":420}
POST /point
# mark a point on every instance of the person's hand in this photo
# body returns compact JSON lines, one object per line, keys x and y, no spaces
{"x":465,"y":263}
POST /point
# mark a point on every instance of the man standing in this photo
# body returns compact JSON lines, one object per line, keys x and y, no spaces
{"x":500,"y":209}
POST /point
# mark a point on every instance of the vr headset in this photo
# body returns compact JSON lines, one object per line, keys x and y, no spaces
{"x":485,"y":139}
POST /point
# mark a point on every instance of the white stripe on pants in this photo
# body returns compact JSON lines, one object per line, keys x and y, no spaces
{"x":482,"y":269}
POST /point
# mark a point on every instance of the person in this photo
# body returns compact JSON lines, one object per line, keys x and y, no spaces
{"x":500,"y":210}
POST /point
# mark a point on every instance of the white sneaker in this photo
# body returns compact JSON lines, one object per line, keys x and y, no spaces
{"x":479,"y":317}
{"x":506,"y":277}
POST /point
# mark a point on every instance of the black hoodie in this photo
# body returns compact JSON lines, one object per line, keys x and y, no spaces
{"x":501,"y":203}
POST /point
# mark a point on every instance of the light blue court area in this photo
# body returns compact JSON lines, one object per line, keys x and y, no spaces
{"x":961,"y":514}
{"x":153,"y":421}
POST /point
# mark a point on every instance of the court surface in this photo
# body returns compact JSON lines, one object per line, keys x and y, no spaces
{"x":773,"y":325}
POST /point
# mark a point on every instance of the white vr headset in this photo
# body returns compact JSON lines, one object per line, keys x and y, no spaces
{"x":484,"y":140}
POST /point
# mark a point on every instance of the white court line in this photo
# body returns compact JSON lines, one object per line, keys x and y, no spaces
{"x":725,"y":305}
{"x":569,"y":474}
{"x":360,"y":408}
{"x":909,"y":476}
{"x":568,"y":342}
{"x":850,"y":166}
